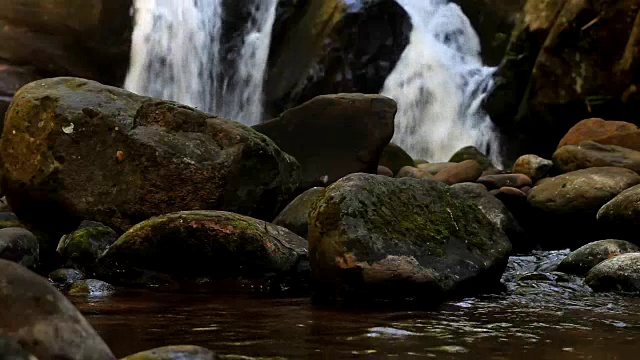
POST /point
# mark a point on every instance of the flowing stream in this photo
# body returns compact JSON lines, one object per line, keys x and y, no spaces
{"x":439,"y":84}
{"x":177,"y":54}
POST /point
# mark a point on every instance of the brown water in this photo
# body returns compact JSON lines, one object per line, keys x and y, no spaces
{"x":532,"y":320}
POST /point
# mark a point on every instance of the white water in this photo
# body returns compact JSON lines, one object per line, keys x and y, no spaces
{"x":175,"y":55}
{"x":439,"y":83}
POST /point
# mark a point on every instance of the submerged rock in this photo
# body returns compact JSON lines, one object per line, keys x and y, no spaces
{"x":175,"y":352}
{"x":533,"y":166}
{"x":620,"y":274}
{"x":334,"y":135}
{"x":372,"y":237}
{"x":589,"y":154}
{"x":295,"y":216}
{"x":19,"y":245}
{"x":81,"y":248}
{"x":91,"y":287}
{"x":42,"y":320}
{"x":582,"y":260}
{"x":212,"y":244}
{"x":75,"y":149}
{"x":621,"y":215}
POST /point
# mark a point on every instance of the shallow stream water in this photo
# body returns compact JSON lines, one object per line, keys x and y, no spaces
{"x":550,"y":317}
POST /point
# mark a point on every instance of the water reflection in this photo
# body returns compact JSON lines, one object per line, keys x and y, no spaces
{"x":533,"y":319}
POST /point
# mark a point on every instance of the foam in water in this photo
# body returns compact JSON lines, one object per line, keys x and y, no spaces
{"x":439,"y":83}
{"x":176,"y":56}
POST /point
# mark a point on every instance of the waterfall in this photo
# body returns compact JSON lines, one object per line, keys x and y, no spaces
{"x":177,"y":55}
{"x":439,"y":83}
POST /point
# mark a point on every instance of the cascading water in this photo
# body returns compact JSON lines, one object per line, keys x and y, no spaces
{"x":439,"y":83}
{"x":176,"y":55}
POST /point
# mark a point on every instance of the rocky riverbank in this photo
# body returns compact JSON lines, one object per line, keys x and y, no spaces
{"x":105,"y":185}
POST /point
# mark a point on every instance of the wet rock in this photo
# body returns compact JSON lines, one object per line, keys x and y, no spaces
{"x":465,"y":171}
{"x":472,"y":153}
{"x":295,"y":216}
{"x":90,"y":39}
{"x":395,"y":158}
{"x":505,"y":180}
{"x":42,"y":320}
{"x":62,"y":278}
{"x":182,"y":352}
{"x":329,"y":47}
{"x":75,"y":149}
{"x":413,"y":172}
{"x":334,"y":135}
{"x":508,"y":191}
{"x":81,"y":248}
{"x":532,"y":166}
{"x":8,"y":220}
{"x":496,"y":211}
{"x":619,"y":274}
{"x":434,"y":168}
{"x":568,"y":203}
{"x":364,"y":246}
{"x":91,"y":287}
{"x":212,"y":244}
{"x":603,"y":132}
{"x":384,"y":171}
{"x":19,"y":245}
{"x":621,"y":215}
{"x":582,"y":260}
{"x":11,"y":350}
{"x":590,"y":154}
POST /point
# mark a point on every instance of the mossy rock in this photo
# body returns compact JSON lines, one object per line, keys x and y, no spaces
{"x":62,"y":278}
{"x":182,"y":352}
{"x":472,"y":153}
{"x":621,"y":215}
{"x":618,"y":274}
{"x":373,"y":237}
{"x":9,"y":220}
{"x":395,"y":158}
{"x":211,"y":244}
{"x":91,"y":287}
{"x":81,"y":248}
{"x":295,"y":216}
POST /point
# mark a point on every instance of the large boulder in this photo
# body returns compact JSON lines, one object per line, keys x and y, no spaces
{"x":603,"y":132}
{"x":567,"y":204}
{"x":334,"y":135}
{"x":212,"y":244}
{"x":582,"y":260}
{"x":567,"y":61}
{"x":42,"y":320}
{"x":619,"y":274}
{"x":84,"y":38}
{"x":330,"y":46}
{"x":295,"y":216}
{"x":374,"y":237}
{"x":590,"y":154}
{"x":81,"y":248}
{"x":74,"y":149}
{"x":621,"y":215}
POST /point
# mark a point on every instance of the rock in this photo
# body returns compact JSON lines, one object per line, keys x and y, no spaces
{"x":510,"y":191}
{"x":19,"y":245}
{"x":585,"y":258}
{"x":465,"y":171}
{"x":363,"y":245}
{"x":569,"y":203}
{"x":532,"y":166}
{"x":91,"y":287}
{"x":295,"y":216}
{"x":329,"y":47}
{"x":620,"y":274}
{"x":555,"y":73}
{"x":590,"y":154}
{"x":211,"y":244}
{"x":11,"y":350}
{"x":42,"y":320}
{"x":413,"y":172}
{"x":90,"y":39}
{"x":395,"y":158}
{"x":81,"y":248}
{"x":334,"y":135}
{"x":434,"y":168}
{"x":472,"y":153}
{"x":9,"y":220}
{"x":75,"y":149}
{"x":62,"y":278}
{"x":181,"y":352}
{"x":602,"y":132}
{"x":384,"y":171}
{"x":496,"y":211}
{"x":505,"y":180}
{"x":621,"y":215}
